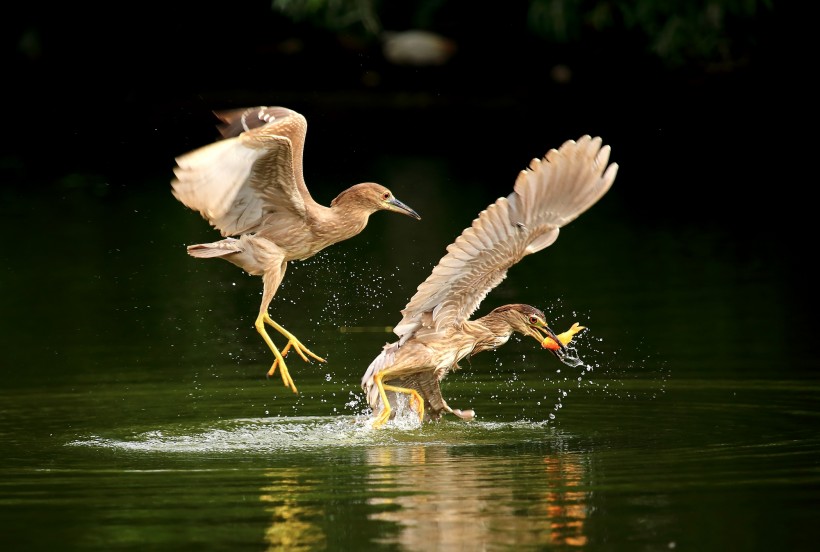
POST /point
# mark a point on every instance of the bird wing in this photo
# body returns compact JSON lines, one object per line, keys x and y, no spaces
{"x":256,"y":170}
{"x":547,"y":195}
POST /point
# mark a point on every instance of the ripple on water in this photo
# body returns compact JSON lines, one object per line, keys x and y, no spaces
{"x":301,"y":433}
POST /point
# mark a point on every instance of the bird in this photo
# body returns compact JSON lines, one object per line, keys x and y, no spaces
{"x":250,"y":186}
{"x":436,"y":332}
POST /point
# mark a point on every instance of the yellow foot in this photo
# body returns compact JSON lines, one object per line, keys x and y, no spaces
{"x":293,"y":343}
{"x":382,"y":418}
{"x":297,"y":345}
{"x":419,"y":406}
{"x":283,"y":354}
{"x":415,"y":398}
{"x":283,"y":370}
{"x":384,"y":415}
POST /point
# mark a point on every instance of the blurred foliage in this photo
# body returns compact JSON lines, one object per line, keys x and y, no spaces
{"x":337,"y":15}
{"x":717,"y":33}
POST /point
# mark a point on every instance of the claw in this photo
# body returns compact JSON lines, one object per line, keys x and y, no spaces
{"x":292,"y":341}
{"x":279,"y":360}
{"x":382,"y":418}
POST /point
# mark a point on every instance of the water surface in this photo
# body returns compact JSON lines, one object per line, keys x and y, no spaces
{"x":136,"y":412}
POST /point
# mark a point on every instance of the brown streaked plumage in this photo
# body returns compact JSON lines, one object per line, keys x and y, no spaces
{"x":251,"y":188}
{"x":435,"y":331}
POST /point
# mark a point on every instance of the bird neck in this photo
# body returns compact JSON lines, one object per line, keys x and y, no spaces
{"x":339,"y":222}
{"x":344,"y":220}
{"x":490,"y":331}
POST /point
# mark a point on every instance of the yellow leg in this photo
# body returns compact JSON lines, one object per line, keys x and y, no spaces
{"x":385,"y":413}
{"x":280,"y":359}
{"x":384,"y":416}
{"x":415,"y":398}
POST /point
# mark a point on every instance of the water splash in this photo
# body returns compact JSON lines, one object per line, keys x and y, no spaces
{"x":404,"y":416}
{"x":618,"y":369}
{"x":569,"y":356}
{"x":304,"y":433}
{"x":250,"y":435}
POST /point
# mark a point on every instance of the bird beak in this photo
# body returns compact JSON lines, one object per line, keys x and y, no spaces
{"x":394,"y":204}
{"x":541,"y":333}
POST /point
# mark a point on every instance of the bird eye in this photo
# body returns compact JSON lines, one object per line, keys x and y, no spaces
{"x":533,"y":320}
{"x":385,"y":196}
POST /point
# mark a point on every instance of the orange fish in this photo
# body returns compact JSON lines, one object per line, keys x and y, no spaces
{"x":565,"y":338}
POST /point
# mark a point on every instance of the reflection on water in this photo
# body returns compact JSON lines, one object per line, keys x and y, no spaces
{"x":432,"y":488}
{"x":446,"y":501}
{"x":294,"y":523}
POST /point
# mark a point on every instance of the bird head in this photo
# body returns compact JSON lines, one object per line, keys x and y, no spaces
{"x":374,"y":197}
{"x":530,"y":321}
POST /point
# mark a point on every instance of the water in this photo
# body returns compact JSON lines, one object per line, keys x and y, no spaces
{"x":136,"y":413}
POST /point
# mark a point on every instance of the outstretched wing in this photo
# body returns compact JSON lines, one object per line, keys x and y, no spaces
{"x":256,"y":170}
{"x":549,"y":194}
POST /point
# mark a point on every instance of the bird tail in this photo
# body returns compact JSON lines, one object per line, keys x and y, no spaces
{"x":220,"y":248}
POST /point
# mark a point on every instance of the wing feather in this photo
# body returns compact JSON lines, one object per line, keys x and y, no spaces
{"x":549,"y":194}
{"x":255,"y":171}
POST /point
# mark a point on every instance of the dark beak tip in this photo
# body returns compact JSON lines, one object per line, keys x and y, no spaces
{"x":562,"y":348}
{"x":406,"y":209}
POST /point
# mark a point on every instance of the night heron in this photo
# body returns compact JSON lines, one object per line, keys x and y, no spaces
{"x":251,"y":188}
{"x":436,"y":332}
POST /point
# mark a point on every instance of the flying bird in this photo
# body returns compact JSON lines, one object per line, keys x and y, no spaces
{"x":436,"y":332}
{"x":250,"y":186}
